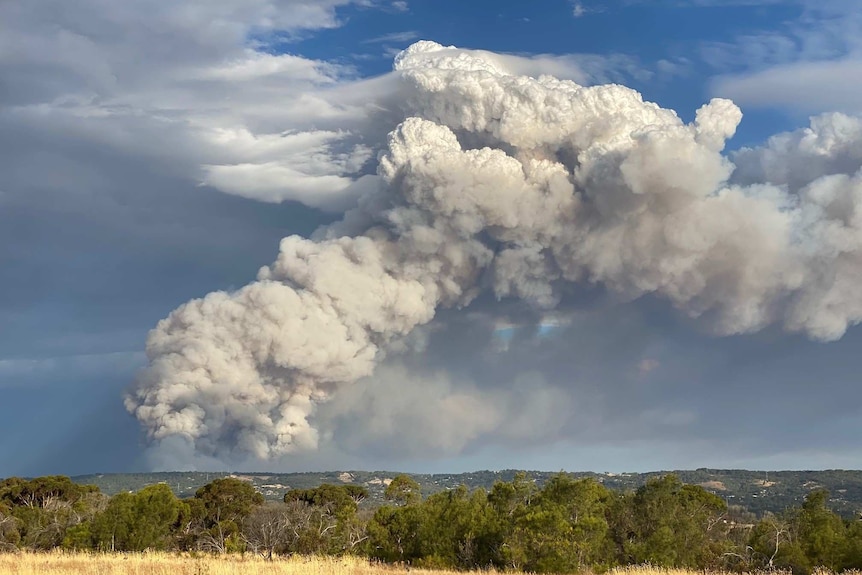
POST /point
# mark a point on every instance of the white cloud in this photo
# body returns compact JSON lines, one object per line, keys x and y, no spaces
{"x":204,"y":101}
{"x":177,"y":96}
{"x":582,"y":68}
{"x":808,"y":87}
{"x":811,"y":64}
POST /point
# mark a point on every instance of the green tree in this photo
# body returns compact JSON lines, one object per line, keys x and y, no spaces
{"x":10,"y":536}
{"x":509,"y":502}
{"x":79,"y":534}
{"x":229,"y":498}
{"x":822,"y":534}
{"x":393,"y":533}
{"x":455,"y":530}
{"x":226,"y":503}
{"x":340,"y":498}
{"x":403,"y":490}
{"x":565,"y":527}
{"x":775,"y":544}
{"x":277,"y":528}
{"x":853,"y":553}
{"x":136,"y":522}
{"x":335,"y":527}
{"x":40,"y":510}
{"x":155,"y":511}
{"x":671,"y":524}
{"x":191,"y":523}
{"x":111,"y":528}
{"x":42,"y":491}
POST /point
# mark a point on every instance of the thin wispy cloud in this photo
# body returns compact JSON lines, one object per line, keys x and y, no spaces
{"x":581,"y":8}
{"x":394,"y":37}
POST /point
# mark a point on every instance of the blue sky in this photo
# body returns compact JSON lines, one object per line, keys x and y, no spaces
{"x":157,"y":152}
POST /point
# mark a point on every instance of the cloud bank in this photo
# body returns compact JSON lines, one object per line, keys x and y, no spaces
{"x":526,"y":189}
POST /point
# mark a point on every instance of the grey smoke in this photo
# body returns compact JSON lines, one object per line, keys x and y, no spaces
{"x":521,"y":187}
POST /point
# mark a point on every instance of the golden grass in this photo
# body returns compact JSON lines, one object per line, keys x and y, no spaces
{"x":650,"y":570}
{"x":62,"y":563}
{"x":59,"y":563}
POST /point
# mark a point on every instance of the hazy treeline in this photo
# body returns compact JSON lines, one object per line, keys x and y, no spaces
{"x":567,"y":525}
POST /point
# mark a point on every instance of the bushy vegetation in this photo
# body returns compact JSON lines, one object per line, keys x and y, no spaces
{"x":758,"y":491}
{"x":566,"y":525}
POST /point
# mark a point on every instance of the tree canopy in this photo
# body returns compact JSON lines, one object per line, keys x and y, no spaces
{"x":566,"y":525}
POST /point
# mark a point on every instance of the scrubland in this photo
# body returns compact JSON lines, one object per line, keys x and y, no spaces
{"x":565,"y":526}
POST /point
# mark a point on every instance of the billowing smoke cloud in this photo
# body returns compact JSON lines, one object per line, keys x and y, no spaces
{"x":523,"y":188}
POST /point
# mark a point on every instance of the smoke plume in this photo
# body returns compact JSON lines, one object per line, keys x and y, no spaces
{"x":523,"y":188}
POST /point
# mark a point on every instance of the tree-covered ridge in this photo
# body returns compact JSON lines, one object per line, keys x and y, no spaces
{"x":756,"y":491}
{"x":566,"y":524}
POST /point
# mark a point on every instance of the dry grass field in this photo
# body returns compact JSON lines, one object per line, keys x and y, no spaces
{"x":59,"y":563}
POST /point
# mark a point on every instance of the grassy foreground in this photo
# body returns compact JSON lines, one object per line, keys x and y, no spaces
{"x":61,"y":563}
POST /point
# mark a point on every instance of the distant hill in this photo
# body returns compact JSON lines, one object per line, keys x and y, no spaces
{"x":757,"y":491}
